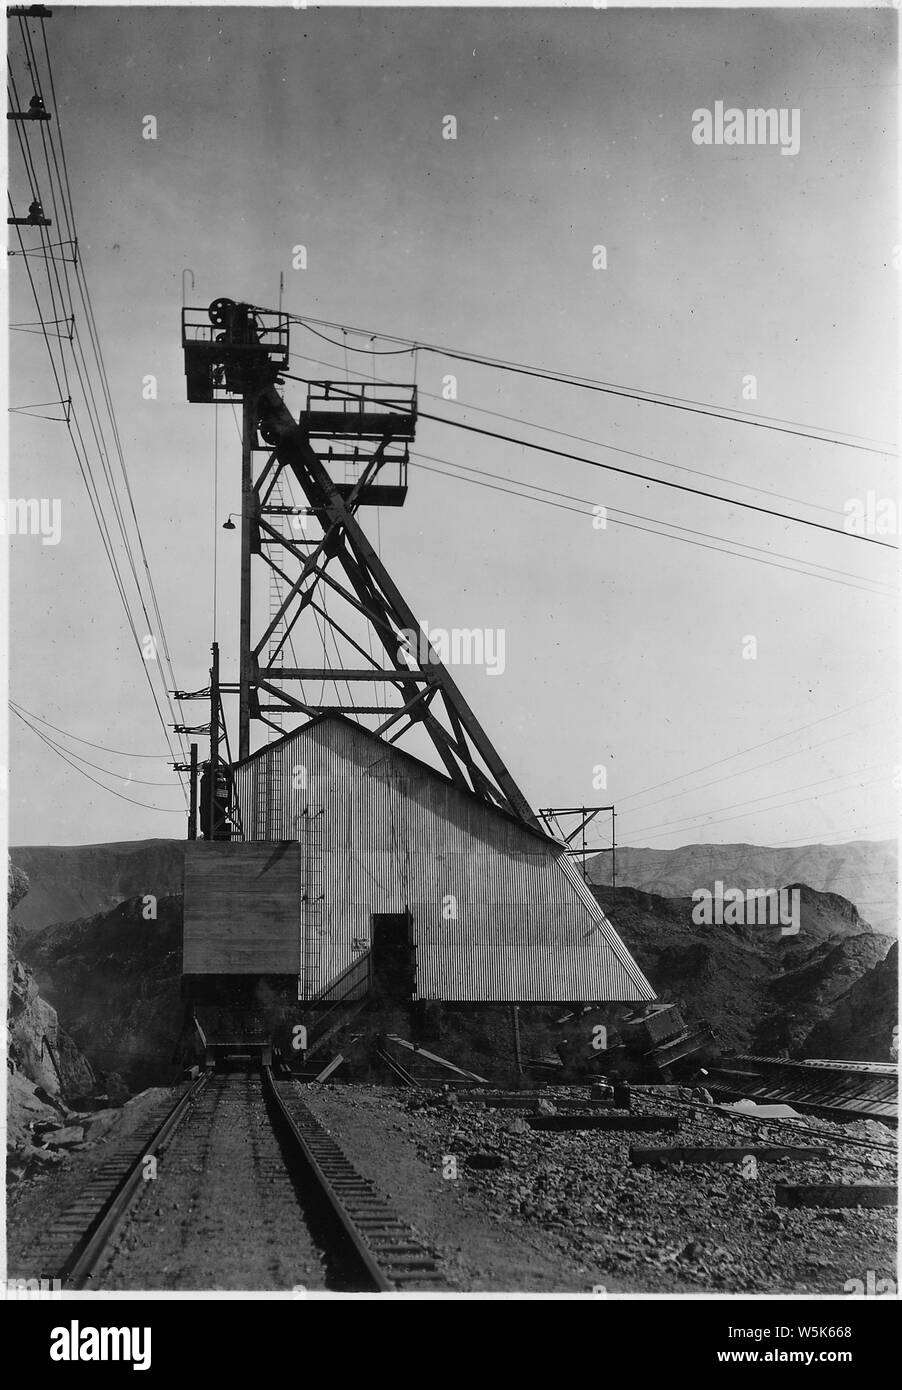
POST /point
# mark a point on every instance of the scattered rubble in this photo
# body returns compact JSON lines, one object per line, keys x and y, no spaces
{"x":706,"y":1228}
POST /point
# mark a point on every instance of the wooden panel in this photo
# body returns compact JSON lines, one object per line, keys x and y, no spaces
{"x":242,"y":908}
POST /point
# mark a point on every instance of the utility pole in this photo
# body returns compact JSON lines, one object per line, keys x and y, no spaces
{"x":214,"y":713}
{"x":192,"y":811}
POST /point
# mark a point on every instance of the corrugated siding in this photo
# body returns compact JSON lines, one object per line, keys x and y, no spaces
{"x":393,"y":835}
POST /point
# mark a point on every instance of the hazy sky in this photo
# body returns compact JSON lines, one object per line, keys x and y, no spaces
{"x":324,"y":128}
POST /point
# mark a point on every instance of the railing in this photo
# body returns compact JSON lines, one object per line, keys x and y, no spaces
{"x":365,"y":396}
{"x":358,"y":973}
{"x":352,"y":986}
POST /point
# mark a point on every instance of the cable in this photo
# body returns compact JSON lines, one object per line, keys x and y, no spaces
{"x":117,"y":752}
{"x":583,"y":439}
{"x":815,"y":433}
{"x":215,"y":512}
{"x":65,"y":201}
{"x":96,"y":766}
{"x":849,"y":830}
{"x":84,"y":467}
{"x":850,"y":709}
{"x":715,"y":781}
{"x":882,"y":591}
{"x":84,"y":292}
{"x":661,"y":482}
{"x":164,"y":809}
{"x":719,"y":820}
{"x":387,"y":352}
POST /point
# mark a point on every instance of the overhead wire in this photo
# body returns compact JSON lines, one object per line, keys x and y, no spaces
{"x":165,"y":810}
{"x":94,"y":337}
{"x":767,"y":743}
{"x":660,"y":482}
{"x":101,"y":747}
{"x":667,"y":827}
{"x":584,"y":439}
{"x":867,"y":586}
{"x":728,"y":776}
{"x":815,"y":433}
{"x":56,"y":290}
{"x":110,"y":772}
{"x":728,"y":548}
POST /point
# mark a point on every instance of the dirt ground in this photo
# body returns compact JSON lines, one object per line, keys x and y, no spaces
{"x":560,"y":1213}
{"x":568,"y":1212}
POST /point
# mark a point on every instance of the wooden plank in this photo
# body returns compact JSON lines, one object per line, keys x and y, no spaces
{"x":242,"y":908}
{"x":841,"y":1194}
{"x":532,"y":1103}
{"x":331,"y":1067}
{"x":562,"y":1122}
{"x":731,"y":1153}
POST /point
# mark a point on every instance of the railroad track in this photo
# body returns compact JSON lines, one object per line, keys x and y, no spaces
{"x":386,"y":1247}
{"x":777,"y":1122}
{"x":833,"y":1089}
{"x":265,"y":1195}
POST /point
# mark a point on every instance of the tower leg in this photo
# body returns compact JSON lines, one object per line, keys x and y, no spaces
{"x":248,"y":434}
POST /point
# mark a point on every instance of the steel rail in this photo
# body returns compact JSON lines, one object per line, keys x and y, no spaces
{"x":79,"y":1268}
{"x":387,"y":1250}
{"x":783,"y":1121}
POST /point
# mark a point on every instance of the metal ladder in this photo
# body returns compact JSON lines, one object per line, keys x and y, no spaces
{"x":311,"y":828}
{"x":276,"y":598}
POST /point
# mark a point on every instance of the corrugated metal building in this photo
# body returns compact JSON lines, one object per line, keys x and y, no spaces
{"x":356,"y":829}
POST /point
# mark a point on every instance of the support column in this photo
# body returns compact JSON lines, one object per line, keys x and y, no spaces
{"x":515,"y":1028}
{"x":192,"y":812}
{"x":248,"y":435}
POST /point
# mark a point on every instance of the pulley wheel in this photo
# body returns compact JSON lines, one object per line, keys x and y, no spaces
{"x":220,"y":311}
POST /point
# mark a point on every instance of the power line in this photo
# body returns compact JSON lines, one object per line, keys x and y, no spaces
{"x":82,"y":459}
{"x":583,"y":439}
{"x":727,"y":549}
{"x":87,"y":762}
{"x":813,"y":723}
{"x":60,"y":179}
{"x":849,"y":829}
{"x":660,"y":482}
{"x":101,"y":747}
{"x":755,"y":800}
{"x":816,"y":433}
{"x":715,"y":781}
{"x":164,"y":809}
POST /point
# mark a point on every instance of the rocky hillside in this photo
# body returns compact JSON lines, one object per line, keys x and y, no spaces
{"x":864,"y":872}
{"x":863,"y":1024}
{"x":38,"y":1049}
{"x":115,"y":979}
{"x":45,"y":1069}
{"x":71,"y":881}
{"x":759,"y":990}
